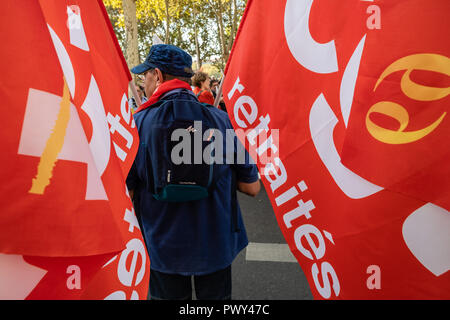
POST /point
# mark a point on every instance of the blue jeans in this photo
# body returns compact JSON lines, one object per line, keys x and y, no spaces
{"x":214,"y":286}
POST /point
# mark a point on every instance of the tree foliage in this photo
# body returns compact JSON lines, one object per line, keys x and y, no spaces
{"x":204,"y":28}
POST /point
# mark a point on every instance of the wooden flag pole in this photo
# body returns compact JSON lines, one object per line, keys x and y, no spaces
{"x":219,"y":94}
{"x":134,"y":93}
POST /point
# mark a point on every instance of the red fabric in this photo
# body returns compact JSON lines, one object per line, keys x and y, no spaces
{"x":162,"y":89}
{"x":362,"y":216}
{"x":66,"y":153}
{"x":205,"y":97}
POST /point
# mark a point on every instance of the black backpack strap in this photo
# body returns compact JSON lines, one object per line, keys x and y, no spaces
{"x":149,"y":182}
{"x":157,"y":104}
{"x":199,"y":93}
{"x":149,"y":178}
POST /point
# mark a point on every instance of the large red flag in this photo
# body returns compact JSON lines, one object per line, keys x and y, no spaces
{"x":313,"y":81}
{"x":68,"y":229}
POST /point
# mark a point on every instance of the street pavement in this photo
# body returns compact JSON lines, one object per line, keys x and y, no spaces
{"x":266,"y":269}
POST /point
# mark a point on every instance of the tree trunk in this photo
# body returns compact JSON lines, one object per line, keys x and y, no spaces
{"x":233,"y":25}
{"x":219,"y":18}
{"x":197,"y":46}
{"x":132,"y":52}
{"x":167,"y":40}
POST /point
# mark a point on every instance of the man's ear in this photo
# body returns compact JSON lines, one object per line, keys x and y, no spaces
{"x":160,"y":76}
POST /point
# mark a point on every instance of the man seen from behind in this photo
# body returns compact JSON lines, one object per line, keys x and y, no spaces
{"x":194,"y":232}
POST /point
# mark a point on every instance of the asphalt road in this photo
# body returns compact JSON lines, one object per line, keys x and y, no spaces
{"x":269,"y":279}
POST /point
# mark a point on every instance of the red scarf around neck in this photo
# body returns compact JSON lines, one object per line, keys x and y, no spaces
{"x":161,"y":90}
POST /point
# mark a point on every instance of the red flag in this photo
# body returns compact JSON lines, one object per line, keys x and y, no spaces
{"x":300,"y":73}
{"x":68,"y":225}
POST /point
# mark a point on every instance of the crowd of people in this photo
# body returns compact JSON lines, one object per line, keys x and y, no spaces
{"x":189,"y":213}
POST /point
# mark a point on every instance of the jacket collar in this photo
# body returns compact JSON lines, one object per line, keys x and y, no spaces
{"x":163,"y":89}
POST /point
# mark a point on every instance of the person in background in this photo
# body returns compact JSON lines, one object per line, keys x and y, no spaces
{"x":202,"y":89}
{"x":215,"y":90}
{"x":141,"y":93}
{"x":214,"y":84}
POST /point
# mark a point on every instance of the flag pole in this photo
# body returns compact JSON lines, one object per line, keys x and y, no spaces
{"x":219,"y":94}
{"x":134,"y":93}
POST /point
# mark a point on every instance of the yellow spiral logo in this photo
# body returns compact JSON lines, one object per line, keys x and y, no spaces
{"x":427,"y":62}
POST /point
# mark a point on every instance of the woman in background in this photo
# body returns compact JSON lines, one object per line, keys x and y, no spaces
{"x":202,"y":89}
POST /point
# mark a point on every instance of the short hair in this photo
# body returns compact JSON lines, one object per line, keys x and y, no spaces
{"x":167,"y":77}
{"x":198,"y":78}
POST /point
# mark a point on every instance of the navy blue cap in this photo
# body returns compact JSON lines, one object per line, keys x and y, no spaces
{"x":169,"y":59}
